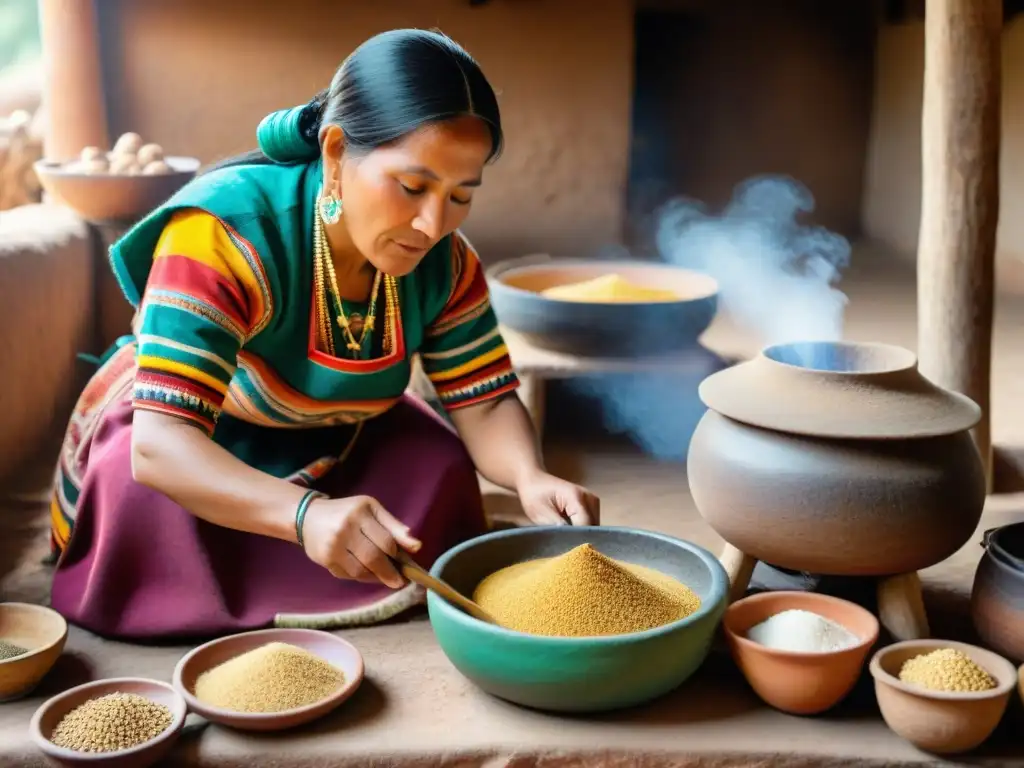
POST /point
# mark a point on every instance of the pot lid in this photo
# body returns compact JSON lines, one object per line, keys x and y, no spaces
{"x":838,"y":390}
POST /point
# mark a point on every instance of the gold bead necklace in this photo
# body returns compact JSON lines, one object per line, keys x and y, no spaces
{"x":325,"y":283}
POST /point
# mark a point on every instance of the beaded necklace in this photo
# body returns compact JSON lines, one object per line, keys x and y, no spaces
{"x":325,"y":284}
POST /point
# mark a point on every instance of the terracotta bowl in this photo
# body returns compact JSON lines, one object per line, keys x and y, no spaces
{"x":52,"y":711}
{"x":40,"y":630}
{"x":114,"y":198}
{"x":797,"y":682}
{"x":997,"y":598}
{"x":937,"y":721}
{"x":610,"y":329}
{"x":328,"y":647}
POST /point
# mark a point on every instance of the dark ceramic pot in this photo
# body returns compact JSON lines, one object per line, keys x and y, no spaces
{"x":592,"y":329}
{"x":837,"y":459}
{"x":997,"y":600}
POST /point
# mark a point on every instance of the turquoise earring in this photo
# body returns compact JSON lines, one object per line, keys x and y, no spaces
{"x":330,"y":208}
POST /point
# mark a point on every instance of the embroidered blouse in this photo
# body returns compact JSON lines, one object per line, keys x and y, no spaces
{"x":208,"y":296}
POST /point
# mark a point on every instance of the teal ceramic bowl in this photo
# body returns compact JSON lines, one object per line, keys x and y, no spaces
{"x":585,"y":674}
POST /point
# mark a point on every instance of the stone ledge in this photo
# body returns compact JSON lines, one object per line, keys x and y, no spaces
{"x":47,"y":289}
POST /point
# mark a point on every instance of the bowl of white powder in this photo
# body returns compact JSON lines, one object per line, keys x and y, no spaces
{"x":801,"y":652}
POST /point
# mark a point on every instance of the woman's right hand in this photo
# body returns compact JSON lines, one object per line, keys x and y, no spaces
{"x":354,"y":538}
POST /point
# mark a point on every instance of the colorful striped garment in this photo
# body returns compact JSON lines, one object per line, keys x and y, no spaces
{"x":207,"y":297}
{"x":222,"y":277}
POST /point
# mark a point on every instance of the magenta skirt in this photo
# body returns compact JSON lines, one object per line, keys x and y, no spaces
{"x":137,"y":566}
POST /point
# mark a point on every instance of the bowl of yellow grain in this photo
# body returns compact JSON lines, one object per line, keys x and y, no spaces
{"x":127,"y":722}
{"x":588,"y":619}
{"x":941,"y":696}
{"x":32,"y":638}
{"x":269,"y":679}
{"x":597,"y":308}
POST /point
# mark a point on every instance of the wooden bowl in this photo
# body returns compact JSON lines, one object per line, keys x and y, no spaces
{"x":52,"y":711}
{"x":941,"y":722}
{"x":40,"y":630}
{"x":799,"y":683}
{"x":114,"y":198}
{"x":332,"y":649}
{"x":577,"y":674}
{"x":596,"y":329}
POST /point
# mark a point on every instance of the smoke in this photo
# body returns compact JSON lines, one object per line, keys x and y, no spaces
{"x":776,"y":275}
{"x":777,"y":282}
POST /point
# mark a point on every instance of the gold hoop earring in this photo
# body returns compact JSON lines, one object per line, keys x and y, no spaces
{"x":330,"y":208}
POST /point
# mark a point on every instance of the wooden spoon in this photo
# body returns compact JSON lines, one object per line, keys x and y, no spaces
{"x":414,"y":573}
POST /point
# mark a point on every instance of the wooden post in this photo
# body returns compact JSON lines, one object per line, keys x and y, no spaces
{"x":76,"y":112}
{"x":960,"y":135}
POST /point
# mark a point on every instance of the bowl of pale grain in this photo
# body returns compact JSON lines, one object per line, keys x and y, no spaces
{"x":269,"y":679}
{"x":32,"y":638}
{"x":589,"y":619}
{"x":802,"y":653}
{"x":126,"y":722}
{"x":941,"y":696}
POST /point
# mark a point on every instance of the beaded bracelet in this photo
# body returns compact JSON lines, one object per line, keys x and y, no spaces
{"x":300,"y":513}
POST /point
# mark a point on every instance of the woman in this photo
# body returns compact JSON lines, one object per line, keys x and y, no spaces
{"x":249,"y":456}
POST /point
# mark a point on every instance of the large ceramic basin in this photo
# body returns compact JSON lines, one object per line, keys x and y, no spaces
{"x":602,"y":329}
{"x":584,"y":674}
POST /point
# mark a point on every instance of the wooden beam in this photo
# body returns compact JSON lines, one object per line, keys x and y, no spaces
{"x":73,"y":98}
{"x":960,"y":132}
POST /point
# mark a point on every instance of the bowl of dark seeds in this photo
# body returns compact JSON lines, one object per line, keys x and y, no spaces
{"x":126,"y":722}
{"x":31,"y":640}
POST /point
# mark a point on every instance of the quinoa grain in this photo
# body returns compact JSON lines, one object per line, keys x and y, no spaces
{"x":272,"y":678}
{"x":111,"y":723}
{"x":10,"y":650}
{"x":583,"y":594}
{"x":946,"y":669}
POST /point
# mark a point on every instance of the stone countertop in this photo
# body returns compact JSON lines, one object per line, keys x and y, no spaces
{"x":414,"y":708}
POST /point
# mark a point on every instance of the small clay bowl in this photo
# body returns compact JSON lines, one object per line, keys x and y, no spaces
{"x":799,"y":683}
{"x":52,"y":711}
{"x":940,"y":722}
{"x":332,"y":649}
{"x":40,"y":630}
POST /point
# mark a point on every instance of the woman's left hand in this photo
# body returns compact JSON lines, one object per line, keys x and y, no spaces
{"x":550,"y":500}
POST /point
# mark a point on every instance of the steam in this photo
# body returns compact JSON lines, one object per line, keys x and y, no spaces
{"x":777,"y":281}
{"x":776,"y":276}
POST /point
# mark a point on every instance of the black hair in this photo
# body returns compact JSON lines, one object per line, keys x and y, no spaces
{"x":392,"y":84}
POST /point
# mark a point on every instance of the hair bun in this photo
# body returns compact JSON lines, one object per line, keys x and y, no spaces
{"x":282,"y":136}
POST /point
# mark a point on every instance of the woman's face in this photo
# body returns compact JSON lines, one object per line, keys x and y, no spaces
{"x":398,"y":201}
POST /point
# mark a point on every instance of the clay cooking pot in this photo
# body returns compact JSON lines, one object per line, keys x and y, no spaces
{"x":997,"y":600}
{"x":837,"y":458}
